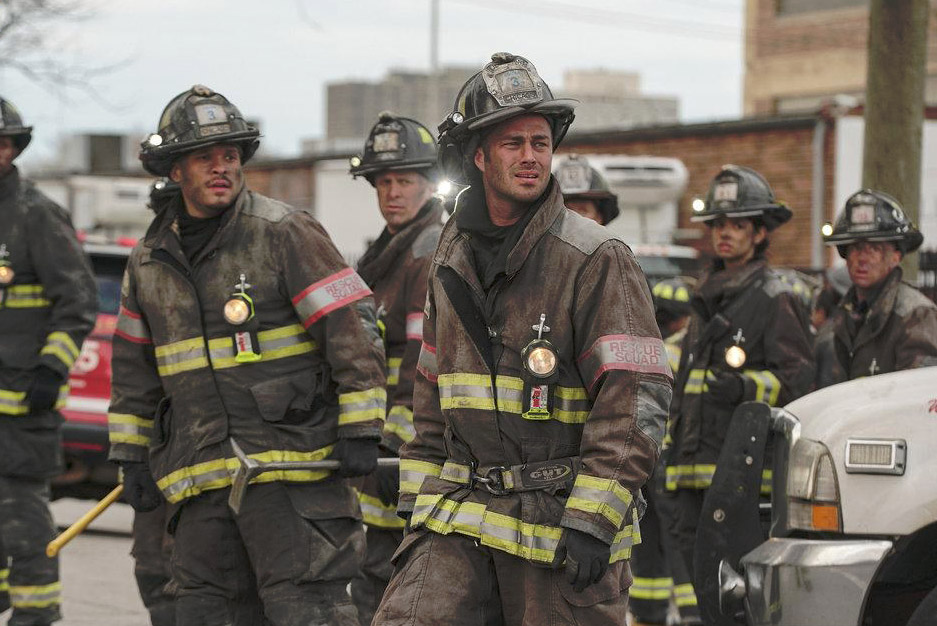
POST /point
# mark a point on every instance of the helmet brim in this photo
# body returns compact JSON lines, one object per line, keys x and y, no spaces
{"x":159,"y":161}
{"x":773,"y":215}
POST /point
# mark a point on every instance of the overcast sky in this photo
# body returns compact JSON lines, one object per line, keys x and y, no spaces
{"x":274,"y":58}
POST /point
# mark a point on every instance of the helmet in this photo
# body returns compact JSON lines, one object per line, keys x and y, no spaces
{"x":739,"y":191}
{"x":396,"y":143}
{"x":162,"y":191}
{"x":194,"y":119}
{"x":11,"y":125}
{"x":507,"y":87}
{"x":871,"y":215}
{"x":579,"y":180}
{"x":673,"y":295}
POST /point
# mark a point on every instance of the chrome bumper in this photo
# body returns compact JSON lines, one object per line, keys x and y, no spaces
{"x":801,"y":582}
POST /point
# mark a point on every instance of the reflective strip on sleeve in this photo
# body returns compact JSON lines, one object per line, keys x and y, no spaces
{"x":362,"y":406}
{"x":426,"y":364}
{"x":61,"y":346}
{"x":322,"y":297}
{"x":376,"y":513}
{"x":399,"y":422}
{"x":4,"y":578}
{"x":393,"y":371}
{"x":14,"y":402}
{"x":35,"y":596}
{"x":695,"y":382}
{"x":651,"y":589}
{"x":456,"y":472}
{"x":275,"y":343}
{"x":684,"y":595}
{"x":24,"y":297}
{"x":624,"y":352}
{"x":412,"y":473}
{"x":192,"y":480}
{"x":466,"y":391}
{"x":767,"y":385}
{"x":415,"y":327}
{"x":600,"y":496}
{"x":130,"y":326}
{"x":624,"y":541}
{"x":181,"y":356}
{"x":696,"y":476}
{"x":674,"y":353}
{"x":131,"y":429}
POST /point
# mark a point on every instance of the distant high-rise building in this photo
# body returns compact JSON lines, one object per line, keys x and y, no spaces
{"x":798,"y":53}
{"x":608,"y":99}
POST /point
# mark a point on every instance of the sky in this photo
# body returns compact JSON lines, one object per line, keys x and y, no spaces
{"x":273,"y":59}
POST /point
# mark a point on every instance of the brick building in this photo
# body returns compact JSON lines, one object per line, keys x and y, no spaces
{"x":799,"y":52}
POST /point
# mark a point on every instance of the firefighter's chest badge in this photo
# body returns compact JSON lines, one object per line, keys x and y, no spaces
{"x":6,"y":269}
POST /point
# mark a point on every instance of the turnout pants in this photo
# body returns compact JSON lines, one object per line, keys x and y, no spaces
{"x":152,"y":551}
{"x":651,"y":592}
{"x":299,"y":567}
{"x":450,"y":579}
{"x":680,"y":511}
{"x":26,"y":527}
{"x":368,"y":588}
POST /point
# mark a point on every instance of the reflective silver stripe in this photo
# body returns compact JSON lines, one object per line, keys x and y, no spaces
{"x":130,"y":429}
{"x":529,"y":541}
{"x":466,"y":391}
{"x":362,"y":406}
{"x":375,"y":513}
{"x":393,"y":371}
{"x":35,"y":596}
{"x":275,"y":343}
{"x":330,"y":293}
{"x":25,"y":297}
{"x":624,"y":352}
{"x":181,"y":356}
{"x":695,"y":382}
{"x":426,"y":364}
{"x":131,"y":326}
{"x":456,"y":473}
{"x":601,"y":496}
{"x":767,"y":385}
{"x":62,"y":347}
{"x":399,"y":422}
{"x":415,"y":327}
{"x":14,"y":402}
{"x":412,"y":473}
{"x":698,"y":476}
{"x":627,"y":538}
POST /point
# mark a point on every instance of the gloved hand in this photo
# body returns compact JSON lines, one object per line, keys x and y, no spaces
{"x":358,"y":456}
{"x":140,"y":490}
{"x":44,"y":392}
{"x":388,"y":484}
{"x":725,"y":387}
{"x":586,"y":559}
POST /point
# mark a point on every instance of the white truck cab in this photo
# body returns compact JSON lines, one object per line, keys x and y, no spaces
{"x":853,"y":530}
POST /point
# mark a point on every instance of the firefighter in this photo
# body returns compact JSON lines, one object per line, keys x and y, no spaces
{"x":239,"y":321}
{"x":585,"y":190}
{"x":48,"y":304}
{"x":882,"y":324}
{"x":399,"y":160}
{"x":748,"y":339}
{"x":542,"y":385}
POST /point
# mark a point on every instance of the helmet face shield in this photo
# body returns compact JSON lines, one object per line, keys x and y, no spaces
{"x":396,"y":143}
{"x":195,"y":119}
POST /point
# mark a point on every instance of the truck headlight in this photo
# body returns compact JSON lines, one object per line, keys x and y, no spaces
{"x":812,"y":488}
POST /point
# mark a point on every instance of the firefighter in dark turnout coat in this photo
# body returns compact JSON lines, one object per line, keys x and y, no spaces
{"x":48,"y":303}
{"x":542,"y":389}
{"x":240,"y":321}
{"x":748,"y":339}
{"x":399,"y":160}
{"x":882,"y":324}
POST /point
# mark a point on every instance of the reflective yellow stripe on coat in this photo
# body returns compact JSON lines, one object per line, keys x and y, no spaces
{"x":35,"y":596}
{"x":14,"y":402}
{"x":24,"y":297}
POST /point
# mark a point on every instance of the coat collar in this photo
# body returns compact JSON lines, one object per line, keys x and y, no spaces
{"x":380,"y":258}
{"x":9,"y":183}
{"x":878,"y":314}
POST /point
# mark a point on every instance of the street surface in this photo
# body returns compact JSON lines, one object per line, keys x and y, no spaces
{"x":96,"y":569}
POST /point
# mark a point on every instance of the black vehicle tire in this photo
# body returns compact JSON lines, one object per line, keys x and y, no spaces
{"x":926,"y":612}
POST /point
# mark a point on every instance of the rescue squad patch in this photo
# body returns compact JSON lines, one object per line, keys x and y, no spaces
{"x":624,"y":352}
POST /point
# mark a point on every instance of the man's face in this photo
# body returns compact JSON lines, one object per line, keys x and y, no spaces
{"x":734,"y":239}
{"x":400,"y":196}
{"x":8,"y":152}
{"x":514,"y":159}
{"x":870,"y":262}
{"x":210,"y":179}
{"x":586,"y":208}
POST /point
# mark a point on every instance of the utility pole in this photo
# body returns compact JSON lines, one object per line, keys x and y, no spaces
{"x":894,"y":105}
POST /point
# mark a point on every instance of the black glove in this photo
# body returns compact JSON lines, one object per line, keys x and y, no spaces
{"x":44,"y":392}
{"x":388,"y":484}
{"x":725,"y":387}
{"x":358,"y":456}
{"x":586,"y":559}
{"x":140,"y":490}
